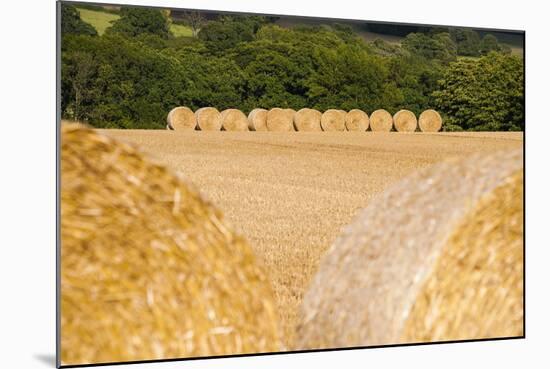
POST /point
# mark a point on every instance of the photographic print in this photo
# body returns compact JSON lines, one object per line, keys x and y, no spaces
{"x":234,"y":183}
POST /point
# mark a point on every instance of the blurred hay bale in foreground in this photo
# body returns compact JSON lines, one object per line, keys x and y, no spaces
{"x":438,"y":256}
{"x":149,"y":270}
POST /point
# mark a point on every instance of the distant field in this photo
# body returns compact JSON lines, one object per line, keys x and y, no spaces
{"x":291,"y":194}
{"x":99,"y":20}
{"x":180,"y":30}
{"x":103,"y":20}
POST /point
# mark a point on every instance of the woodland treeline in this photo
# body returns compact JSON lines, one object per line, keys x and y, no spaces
{"x":135,"y":73}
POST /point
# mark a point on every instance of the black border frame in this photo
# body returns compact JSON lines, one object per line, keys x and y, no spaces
{"x":182,"y":359}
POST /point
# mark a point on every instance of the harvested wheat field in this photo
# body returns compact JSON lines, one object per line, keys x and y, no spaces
{"x":291,"y":195}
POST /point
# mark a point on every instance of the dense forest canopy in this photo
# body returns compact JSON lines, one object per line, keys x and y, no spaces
{"x":137,"y":71}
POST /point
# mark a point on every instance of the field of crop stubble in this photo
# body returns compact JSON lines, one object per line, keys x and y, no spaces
{"x":290,"y":194}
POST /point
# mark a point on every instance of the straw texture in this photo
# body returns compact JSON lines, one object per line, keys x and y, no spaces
{"x":280,"y":120}
{"x":257,"y":120}
{"x":333,"y":120}
{"x":307,"y":120}
{"x":357,"y":120}
{"x":234,"y":120}
{"x":491,"y":300}
{"x":438,"y":256}
{"x":209,"y":119}
{"x":182,"y":119}
{"x":381,"y":121}
{"x":430,"y":121}
{"x":149,"y":270}
{"x":404,"y":121}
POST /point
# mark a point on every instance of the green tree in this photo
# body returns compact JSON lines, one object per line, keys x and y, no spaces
{"x":485,"y":94}
{"x":489,"y":43}
{"x":415,"y":78}
{"x":275,"y":73}
{"x":467,"y":41}
{"x":347,"y":78}
{"x":384,"y":48}
{"x":77,"y":79}
{"x":123,"y":83}
{"x":213,"y":81}
{"x":227,"y":32}
{"x":436,"y":46}
{"x":71,"y":23}
{"x":194,"y":20}
{"x":137,"y":21}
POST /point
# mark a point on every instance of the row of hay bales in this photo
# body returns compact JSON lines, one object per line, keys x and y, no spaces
{"x":303,"y":120}
{"x":150,"y":270}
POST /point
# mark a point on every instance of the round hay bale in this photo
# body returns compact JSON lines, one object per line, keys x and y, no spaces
{"x":182,"y":119}
{"x":438,"y":256}
{"x":404,"y":121}
{"x":430,"y":121}
{"x":333,"y":120}
{"x":209,"y":119}
{"x":381,"y":121}
{"x":280,"y":120}
{"x":257,"y":120}
{"x":307,"y":120}
{"x":149,"y":269}
{"x":234,"y":120}
{"x":290,"y":111}
{"x":357,"y":120}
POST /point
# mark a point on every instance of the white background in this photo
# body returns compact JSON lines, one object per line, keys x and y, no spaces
{"x":27,"y":182}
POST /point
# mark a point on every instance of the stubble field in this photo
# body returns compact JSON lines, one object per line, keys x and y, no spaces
{"x":290,"y":194}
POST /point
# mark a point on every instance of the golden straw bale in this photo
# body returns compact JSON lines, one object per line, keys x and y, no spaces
{"x":333,"y":120}
{"x":404,"y":121}
{"x":357,"y":120}
{"x":257,"y":120}
{"x":494,"y":231}
{"x":280,"y":120}
{"x":182,"y":119}
{"x":209,"y":119}
{"x":437,"y":256}
{"x":307,"y":120}
{"x":234,"y":120}
{"x":430,"y":121}
{"x":381,"y":121}
{"x":149,"y":269}
{"x":290,"y":111}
